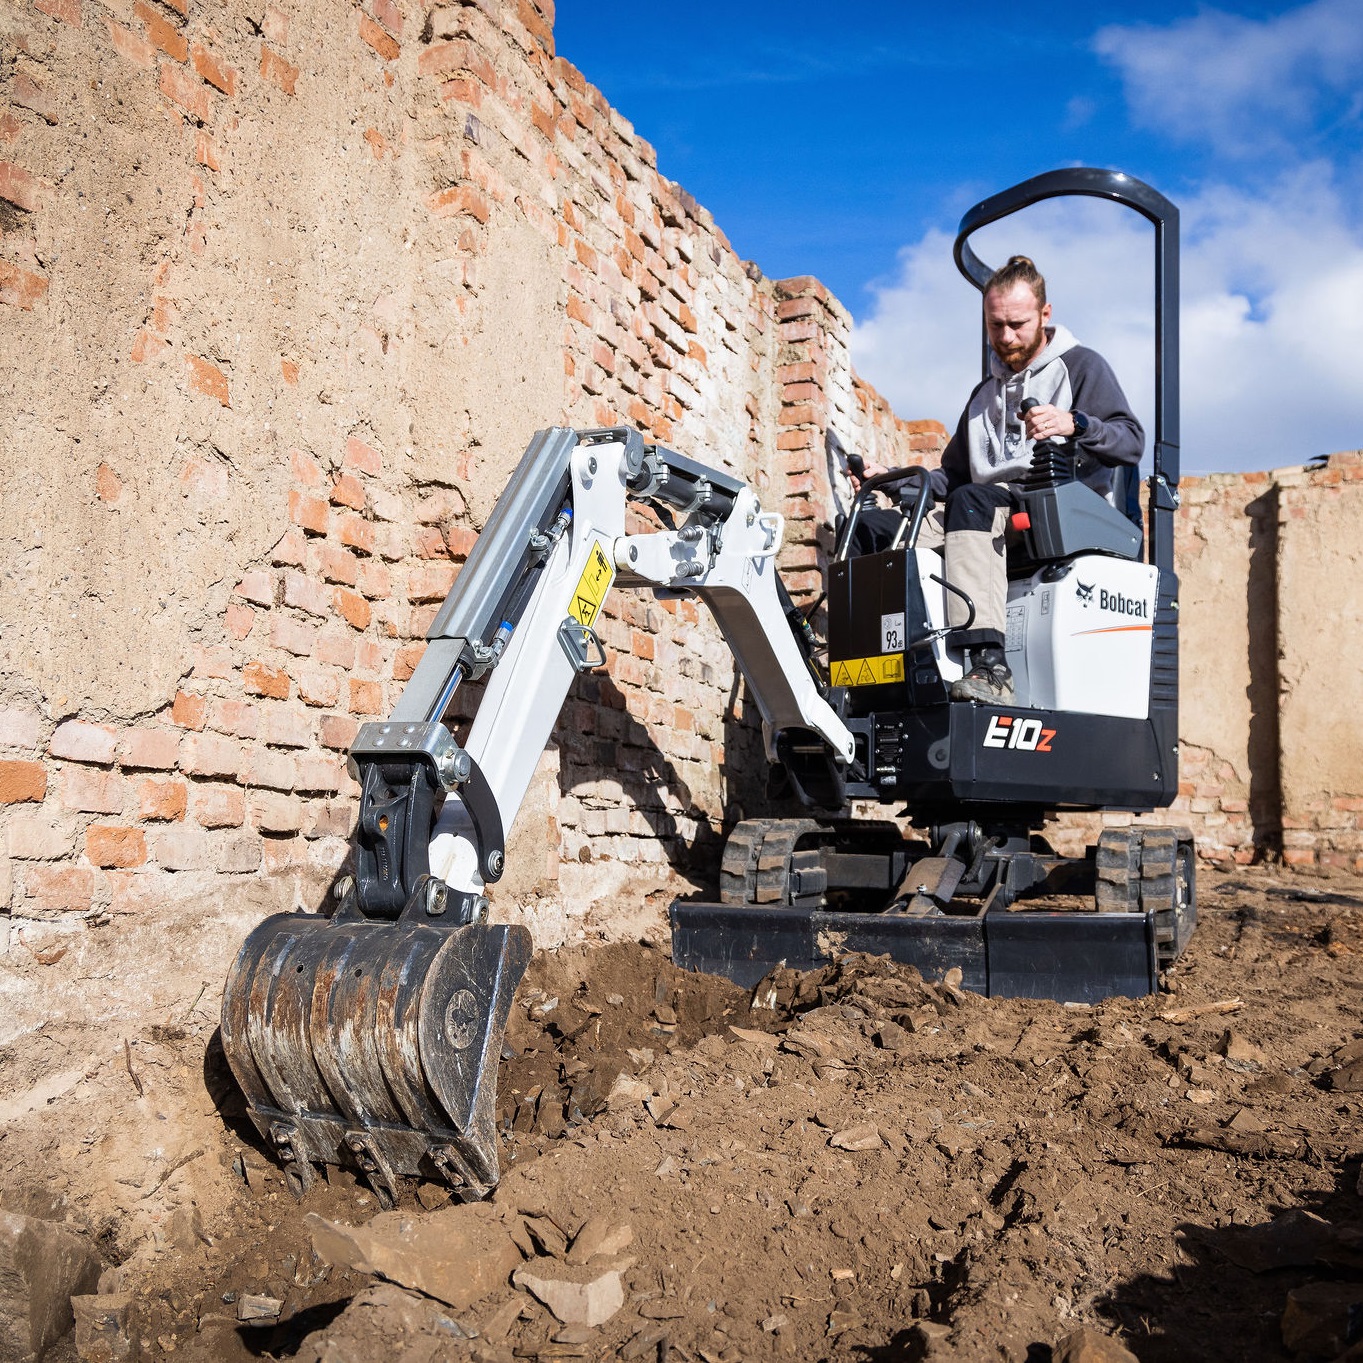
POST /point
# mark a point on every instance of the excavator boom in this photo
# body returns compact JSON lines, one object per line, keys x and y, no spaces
{"x":371,"y":1037}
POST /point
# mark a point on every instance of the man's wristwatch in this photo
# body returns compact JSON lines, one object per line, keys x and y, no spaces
{"x":1081,"y":424}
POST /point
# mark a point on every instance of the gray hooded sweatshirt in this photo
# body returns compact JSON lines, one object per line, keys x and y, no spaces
{"x":990,"y":444}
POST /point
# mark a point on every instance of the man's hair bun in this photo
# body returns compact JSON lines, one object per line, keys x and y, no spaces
{"x":1019,"y":270}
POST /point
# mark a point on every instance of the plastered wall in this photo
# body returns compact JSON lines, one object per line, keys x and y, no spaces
{"x":284,"y":290}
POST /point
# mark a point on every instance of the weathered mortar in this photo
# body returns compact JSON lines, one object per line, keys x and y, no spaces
{"x":284,"y":295}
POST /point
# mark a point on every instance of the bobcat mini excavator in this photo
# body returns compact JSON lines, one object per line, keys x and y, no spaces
{"x":371,"y":1036}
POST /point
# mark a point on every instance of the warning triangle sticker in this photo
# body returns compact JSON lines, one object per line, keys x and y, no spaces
{"x":866,"y":677}
{"x":842,"y":674}
{"x":585,"y":610}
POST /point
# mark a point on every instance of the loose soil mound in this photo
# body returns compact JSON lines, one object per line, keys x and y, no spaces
{"x":870,"y":1166}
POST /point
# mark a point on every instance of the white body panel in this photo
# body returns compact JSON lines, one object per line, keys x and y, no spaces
{"x":1083,"y":641}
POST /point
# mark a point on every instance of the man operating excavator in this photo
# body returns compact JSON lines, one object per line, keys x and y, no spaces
{"x":1070,"y":394}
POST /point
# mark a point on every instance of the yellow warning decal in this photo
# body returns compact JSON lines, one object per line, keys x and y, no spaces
{"x":592,"y":587}
{"x":879,"y":671}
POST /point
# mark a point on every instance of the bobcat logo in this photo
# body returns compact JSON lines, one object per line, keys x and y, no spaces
{"x":1085,"y":593}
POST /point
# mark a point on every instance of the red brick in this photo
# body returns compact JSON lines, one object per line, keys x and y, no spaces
{"x":404,"y":663}
{"x":375,"y":580}
{"x":59,"y":889}
{"x":109,"y":845}
{"x":286,"y":726}
{"x":161,"y":33}
{"x":219,"y":806}
{"x":311,"y":513}
{"x":363,"y":458}
{"x":152,"y":749}
{"x":68,"y":11}
{"x":430,"y":583}
{"x":303,"y":594}
{"x":261,"y":680}
{"x":277,"y":71}
{"x":239,"y":620}
{"x":90,"y":790}
{"x":188,"y":711}
{"x":439,"y":58}
{"x":348,"y":491}
{"x":21,"y":782}
{"x":275,"y":25}
{"x":318,"y":687}
{"x":381,"y":42}
{"x":206,"y":151}
{"x":19,"y":187}
{"x":378,"y":144}
{"x":192,"y":849}
{"x":366,"y":697}
{"x":275,"y":812}
{"x":337,"y":731}
{"x":77,"y":741}
{"x":336,"y":647}
{"x":162,"y":801}
{"x":212,"y":70}
{"x":459,"y":200}
{"x":293,"y":636}
{"x":29,"y":94}
{"x":146,"y":346}
{"x":207,"y":379}
{"x":460,"y":541}
{"x":108,"y":488}
{"x":357,"y":533}
{"x":19,"y":728}
{"x":209,"y":755}
{"x":353,"y":607}
{"x":20,"y":288}
{"x":428,"y":542}
{"x":264,"y":767}
{"x":389,"y":14}
{"x":321,"y":774}
{"x":183,"y":90}
{"x":288,"y":368}
{"x":236,"y":718}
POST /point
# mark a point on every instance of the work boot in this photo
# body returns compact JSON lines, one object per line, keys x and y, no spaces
{"x":989,"y":679}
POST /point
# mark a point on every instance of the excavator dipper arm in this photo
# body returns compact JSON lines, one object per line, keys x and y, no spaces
{"x":372,"y":1037}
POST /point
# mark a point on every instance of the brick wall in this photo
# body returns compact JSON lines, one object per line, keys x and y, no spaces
{"x":289,"y":290}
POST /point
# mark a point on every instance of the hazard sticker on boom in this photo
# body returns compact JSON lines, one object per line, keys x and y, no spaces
{"x":879,"y":671}
{"x":592,"y":587}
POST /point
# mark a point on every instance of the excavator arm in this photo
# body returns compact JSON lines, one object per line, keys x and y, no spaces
{"x":372,"y":1037}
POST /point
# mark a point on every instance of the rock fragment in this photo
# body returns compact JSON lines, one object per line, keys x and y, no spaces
{"x":576,"y":1296}
{"x":1086,"y":1345}
{"x":256,"y":1308}
{"x":864,"y":1136}
{"x":1317,"y":1318}
{"x":600,"y":1236}
{"x":105,"y":1326}
{"x":457,"y":1255}
{"x":42,"y":1266}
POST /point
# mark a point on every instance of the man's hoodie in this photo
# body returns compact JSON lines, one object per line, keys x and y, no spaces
{"x":990,"y":444}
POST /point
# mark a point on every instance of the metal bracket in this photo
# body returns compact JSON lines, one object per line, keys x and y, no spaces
{"x":581,"y":644}
{"x":385,"y":741}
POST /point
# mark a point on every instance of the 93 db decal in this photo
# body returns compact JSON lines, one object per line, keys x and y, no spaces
{"x":1006,"y":731}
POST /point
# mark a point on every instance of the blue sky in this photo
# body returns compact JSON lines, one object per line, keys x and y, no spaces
{"x":849,"y":149}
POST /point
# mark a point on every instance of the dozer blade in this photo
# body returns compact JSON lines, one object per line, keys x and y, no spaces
{"x":374,"y":1044}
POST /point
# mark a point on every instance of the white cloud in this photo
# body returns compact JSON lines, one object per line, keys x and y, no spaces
{"x":1241,"y":85}
{"x":1272,"y":317}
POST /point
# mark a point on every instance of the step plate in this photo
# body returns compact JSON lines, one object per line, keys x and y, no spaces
{"x":1070,"y":957}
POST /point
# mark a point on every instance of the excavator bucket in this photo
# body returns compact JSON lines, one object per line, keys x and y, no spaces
{"x":374,"y":1043}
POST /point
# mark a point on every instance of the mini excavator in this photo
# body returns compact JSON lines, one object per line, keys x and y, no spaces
{"x":371,"y":1036}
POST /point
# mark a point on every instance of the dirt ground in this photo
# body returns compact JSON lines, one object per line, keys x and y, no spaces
{"x":872,"y":1168}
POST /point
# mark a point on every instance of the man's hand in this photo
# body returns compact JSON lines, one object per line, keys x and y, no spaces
{"x":1048,"y":423}
{"x":869,"y":469}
